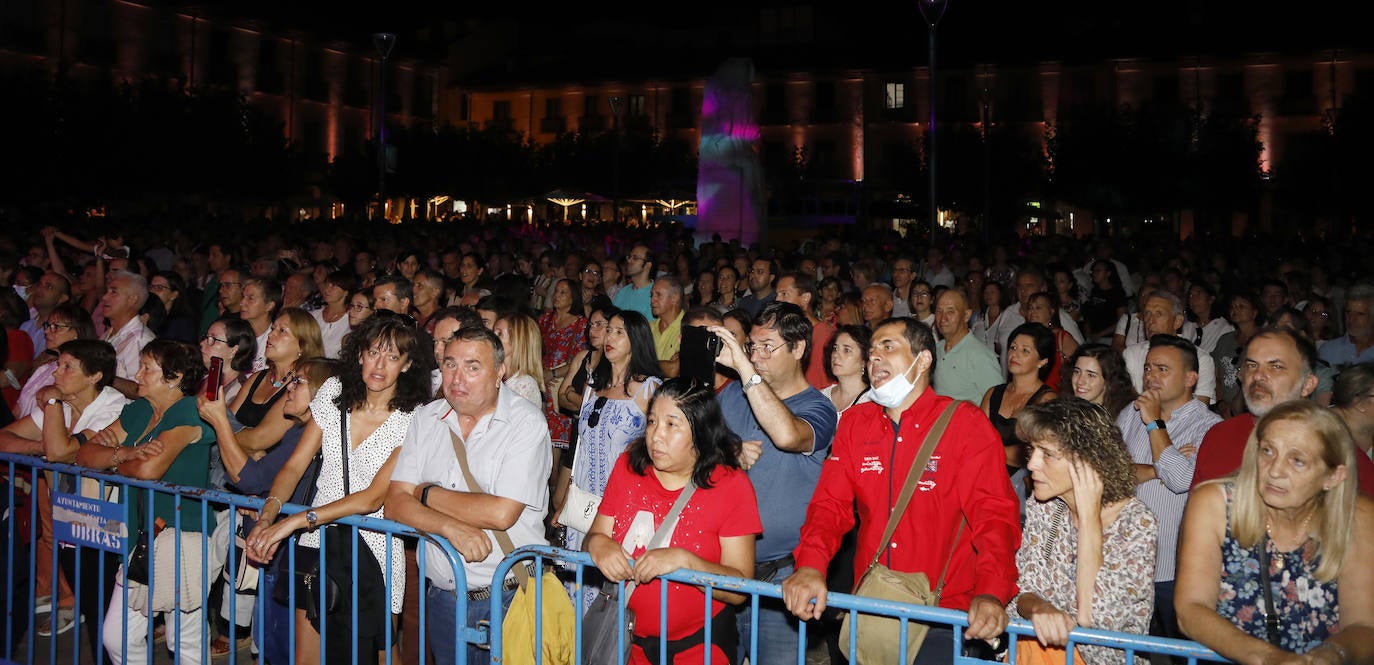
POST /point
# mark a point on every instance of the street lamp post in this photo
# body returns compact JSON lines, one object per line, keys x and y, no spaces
{"x":933,"y":11}
{"x":615,"y":101}
{"x":384,"y":41}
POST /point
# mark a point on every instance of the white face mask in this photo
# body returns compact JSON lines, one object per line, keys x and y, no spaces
{"x":892,"y":393}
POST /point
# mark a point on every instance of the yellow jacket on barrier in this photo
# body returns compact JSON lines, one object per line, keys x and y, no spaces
{"x":558,"y":625}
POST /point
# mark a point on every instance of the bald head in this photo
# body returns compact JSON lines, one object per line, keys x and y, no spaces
{"x":875,"y":303}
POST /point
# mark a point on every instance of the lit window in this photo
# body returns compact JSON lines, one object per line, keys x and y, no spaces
{"x":894,"y":96}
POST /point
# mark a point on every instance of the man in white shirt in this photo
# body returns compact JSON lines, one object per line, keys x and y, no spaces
{"x":1162,"y":314}
{"x":124,"y":296}
{"x":506,"y":443}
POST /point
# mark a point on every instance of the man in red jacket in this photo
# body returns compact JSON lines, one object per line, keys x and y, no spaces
{"x":1279,"y":366}
{"x":872,"y":453}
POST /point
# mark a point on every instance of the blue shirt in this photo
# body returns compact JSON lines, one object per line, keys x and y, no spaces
{"x":637,"y":299}
{"x":783,"y":481}
{"x":1340,"y":353}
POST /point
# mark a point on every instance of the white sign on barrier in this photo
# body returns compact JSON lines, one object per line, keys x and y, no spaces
{"x":78,"y":520}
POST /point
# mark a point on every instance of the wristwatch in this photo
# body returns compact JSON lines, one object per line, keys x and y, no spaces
{"x":310,"y":519}
{"x":52,"y":400}
{"x":1157,"y":424}
{"x":753,"y":381}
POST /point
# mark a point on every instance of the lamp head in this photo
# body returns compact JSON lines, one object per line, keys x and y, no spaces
{"x":384,"y":41}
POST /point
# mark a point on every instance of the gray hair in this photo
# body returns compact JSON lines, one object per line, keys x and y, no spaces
{"x":1361,"y":292}
{"x":137,"y":283}
{"x":1174,"y":300}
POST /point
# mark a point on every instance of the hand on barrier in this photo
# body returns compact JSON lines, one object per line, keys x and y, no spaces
{"x":609,"y":558}
{"x":1052,"y":626}
{"x":661,"y":561}
{"x":804,"y":593}
{"x":263,"y":541}
{"x":470,"y":542}
{"x":987,"y":618}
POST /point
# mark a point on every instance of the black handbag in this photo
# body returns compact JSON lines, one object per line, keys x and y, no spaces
{"x":137,"y":568}
{"x":602,"y":628}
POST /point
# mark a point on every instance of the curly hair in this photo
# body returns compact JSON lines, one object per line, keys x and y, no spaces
{"x":1084,"y":432}
{"x":714,"y":442}
{"x":412,"y":386}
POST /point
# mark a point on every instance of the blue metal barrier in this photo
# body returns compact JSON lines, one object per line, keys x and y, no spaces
{"x":1130,"y":643}
{"x":20,"y":643}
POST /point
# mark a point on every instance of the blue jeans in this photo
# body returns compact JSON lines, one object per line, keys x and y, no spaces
{"x":779,"y":630}
{"x":273,"y":633}
{"x":441,"y":607}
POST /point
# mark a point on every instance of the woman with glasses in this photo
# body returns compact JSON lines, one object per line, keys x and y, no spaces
{"x":66,"y":323}
{"x":252,"y":476}
{"x":613,"y":406}
{"x":359,"y":307}
{"x":335,"y":318}
{"x":180,"y":322}
{"x":230,"y":339}
{"x":159,"y":436}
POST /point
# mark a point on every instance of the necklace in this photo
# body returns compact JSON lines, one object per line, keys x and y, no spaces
{"x":1279,"y":549}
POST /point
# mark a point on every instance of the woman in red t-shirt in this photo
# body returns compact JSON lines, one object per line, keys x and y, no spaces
{"x":686,"y":439}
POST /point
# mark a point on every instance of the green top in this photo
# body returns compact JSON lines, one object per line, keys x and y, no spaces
{"x":191,"y":468}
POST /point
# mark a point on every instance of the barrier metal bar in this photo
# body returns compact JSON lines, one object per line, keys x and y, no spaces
{"x":1132,"y":644}
{"x":15,"y":466}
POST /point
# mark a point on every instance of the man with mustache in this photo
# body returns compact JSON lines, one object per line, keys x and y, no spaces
{"x":1278,"y":367}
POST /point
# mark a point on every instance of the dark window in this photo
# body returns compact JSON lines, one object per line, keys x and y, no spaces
{"x":681,"y":100}
{"x":500,"y":110}
{"x":591,"y":106}
{"x":97,"y":43}
{"x":1364,"y":83}
{"x":465,"y":107}
{"x":221,"y":56}
{"x":954,"y":99}
{"x":1298,"y":96}
{"x":1166,"y":88}
{"x":270,"y":79}
{"x":824,"y":110}
{"x":553,"y":107}
{"x":423,"y":102}
{"x":636,"y":107}
{"x":1230,"y":95}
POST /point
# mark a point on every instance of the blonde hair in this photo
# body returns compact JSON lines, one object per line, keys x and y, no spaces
{"x":526,"y":352}
{"x":307,"y":332}
{"x":1335,"y":506}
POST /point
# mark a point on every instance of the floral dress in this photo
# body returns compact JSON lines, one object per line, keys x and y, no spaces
{"x":560,"y":345}
{"x":1308,"y":609}
{"x":621,"y":421}
{"x":1124,"y":597}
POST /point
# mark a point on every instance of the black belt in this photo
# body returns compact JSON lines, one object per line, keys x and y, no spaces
{"x":484,"y":593}
{"x":765,"y":570}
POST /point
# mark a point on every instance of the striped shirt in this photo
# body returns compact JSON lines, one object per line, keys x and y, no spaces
{"x":1167,"y":494}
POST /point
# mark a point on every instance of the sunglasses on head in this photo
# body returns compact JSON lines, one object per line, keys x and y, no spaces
{"x":595,"y":416}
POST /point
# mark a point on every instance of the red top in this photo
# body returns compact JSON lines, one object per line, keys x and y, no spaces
{"x":1222,"y":448}
{"x":728,"y":508}
{"x":966,"y":477}
{"x":822,"y":334}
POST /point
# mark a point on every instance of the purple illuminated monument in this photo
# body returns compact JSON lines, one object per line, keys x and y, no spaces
{"x":729,"y":188}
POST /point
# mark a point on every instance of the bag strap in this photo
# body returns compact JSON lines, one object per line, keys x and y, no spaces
{"x":917,"y":469}
{"x":662,"y":533}
{"x":346,"y":446}
{"x":1271,"y":618}
{"x":502,"y":538}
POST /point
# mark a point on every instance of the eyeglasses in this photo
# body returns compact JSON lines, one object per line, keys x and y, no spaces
{"x":920,"y":294}
{"x":50,"y":326}
{"x":595,"y":416}
{"x":159,"y":288}
{"x":764,"y":350}
{"x":592,"y":271}
{"x":207,"y":337}
{"x":358,"y":308}
{"x":597,"y":325}
{"x":403,"y":318}
{"x":632,"y":257}
{"x":293,"y":382}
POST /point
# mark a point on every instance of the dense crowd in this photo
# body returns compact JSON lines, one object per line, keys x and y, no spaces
{"x":1174,"y":439}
